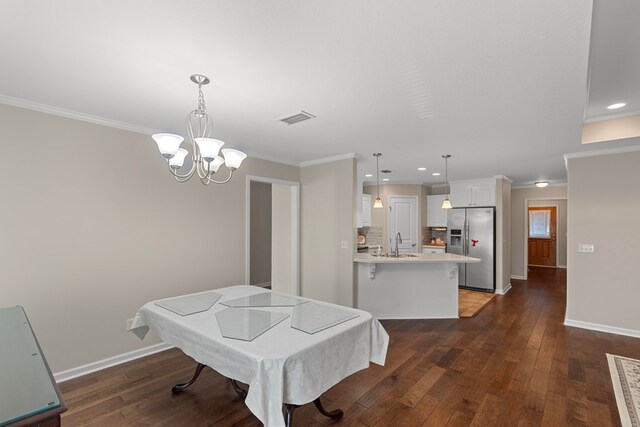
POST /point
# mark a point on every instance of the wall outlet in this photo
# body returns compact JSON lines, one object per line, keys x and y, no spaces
{"x":586,"y":247}
{"x":129,"y":322}
{"x":344,"y":244}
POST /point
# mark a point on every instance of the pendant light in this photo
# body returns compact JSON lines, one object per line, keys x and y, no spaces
{"x":378,"y":202}
{"x":446,"y":203}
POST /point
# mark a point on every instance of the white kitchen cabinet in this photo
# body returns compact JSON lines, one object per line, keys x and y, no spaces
{"x":366,"y":210}
{"x":434,"y":250}
{"x":436,"y":216}
{"x":473,"y":193}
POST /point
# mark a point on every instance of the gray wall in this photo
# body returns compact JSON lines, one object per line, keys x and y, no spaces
{"x":93,"y":226}
{"x":328,"y":219}
{"x":519,"y":222}
{"x":260,"y":232}
{"x":503,"y":234}
{"x":604,"y":206}
{"x":282,"y":270}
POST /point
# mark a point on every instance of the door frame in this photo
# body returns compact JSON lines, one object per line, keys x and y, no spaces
{"x":295,"y":228}
{"x":526,"y":229}
{"x":418,"y":225}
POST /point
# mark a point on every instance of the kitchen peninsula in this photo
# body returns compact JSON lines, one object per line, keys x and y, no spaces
{"x":412,"y":286}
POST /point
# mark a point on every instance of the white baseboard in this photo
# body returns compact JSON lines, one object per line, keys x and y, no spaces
{"x":602,"y":328}
{"x":504,"y":290}
{"x":109,"y":362}
{"x":562,"y":266}
{"x":513,"y":276}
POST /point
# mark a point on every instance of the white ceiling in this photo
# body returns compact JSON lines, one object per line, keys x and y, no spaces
{"x":615,"y":59}
{"x":501,"y":84}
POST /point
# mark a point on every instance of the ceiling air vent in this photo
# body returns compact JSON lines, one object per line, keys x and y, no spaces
{"x":296,"y":118}
{"x":385,"y":171}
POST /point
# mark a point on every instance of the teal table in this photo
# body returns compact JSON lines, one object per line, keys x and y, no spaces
{"x":29,"y":395}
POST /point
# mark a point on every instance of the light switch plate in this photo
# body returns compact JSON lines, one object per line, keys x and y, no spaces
{"x":344,"y":244}
{"x":586,"y":247}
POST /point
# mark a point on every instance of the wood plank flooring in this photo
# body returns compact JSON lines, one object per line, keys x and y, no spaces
{"x":514,"y":364}
{"x":471,"y":302}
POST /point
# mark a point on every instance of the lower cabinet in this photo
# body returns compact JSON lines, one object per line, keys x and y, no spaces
{"x":434,"y":250}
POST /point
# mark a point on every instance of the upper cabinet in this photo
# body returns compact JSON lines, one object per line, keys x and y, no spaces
{"x":436,"y":216}
{"x":473,"y":193}
{"x":366,"y":210}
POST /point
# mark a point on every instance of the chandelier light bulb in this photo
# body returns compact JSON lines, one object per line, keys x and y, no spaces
{"x":209,"y":147}
{"x":177,"y":161}
{"x":233,"y":158}
{"x":168,"y":143}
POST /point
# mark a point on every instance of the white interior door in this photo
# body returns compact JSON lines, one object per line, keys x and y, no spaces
{"x":403,"y":219}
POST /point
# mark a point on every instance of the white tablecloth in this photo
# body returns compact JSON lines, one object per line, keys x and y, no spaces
{"x":283,"y":364}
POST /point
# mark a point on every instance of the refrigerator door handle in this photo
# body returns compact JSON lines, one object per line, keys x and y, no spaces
{"x":466,"y":238}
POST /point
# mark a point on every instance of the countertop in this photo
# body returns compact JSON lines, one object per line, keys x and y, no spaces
{"x":416,"y":258}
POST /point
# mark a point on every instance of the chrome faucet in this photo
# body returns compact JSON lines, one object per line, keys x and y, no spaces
{"x":398,"y":240}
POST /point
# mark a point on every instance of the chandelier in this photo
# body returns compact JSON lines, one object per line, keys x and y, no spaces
{"x":205,"y":157}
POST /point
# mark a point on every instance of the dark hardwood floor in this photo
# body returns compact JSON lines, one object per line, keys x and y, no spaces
{"x":514,"y":364}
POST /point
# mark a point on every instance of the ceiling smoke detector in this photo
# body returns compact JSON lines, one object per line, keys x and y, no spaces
{"x":296,"y":118}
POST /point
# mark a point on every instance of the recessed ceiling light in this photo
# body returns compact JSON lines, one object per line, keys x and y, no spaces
{"x":422,"y":169}
{"x":368,"y":175}
{"x":541,"y":184}
{"x":436,"y":174}
{"x":385,"y":179}
{"x":616,"y":105}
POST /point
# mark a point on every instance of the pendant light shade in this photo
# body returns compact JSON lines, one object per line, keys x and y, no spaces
{"x":378,"y":203}
{"x":446,"y":203}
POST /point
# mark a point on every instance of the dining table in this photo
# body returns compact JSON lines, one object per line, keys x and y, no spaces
{"x":288,"y":349}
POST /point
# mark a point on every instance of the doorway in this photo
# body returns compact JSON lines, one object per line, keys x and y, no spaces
{"x":403,"y":219}
{"x":542,"y":232}
{"x":272,"y":233}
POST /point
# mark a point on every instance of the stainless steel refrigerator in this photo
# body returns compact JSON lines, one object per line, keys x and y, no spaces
{"x":471,"y":232}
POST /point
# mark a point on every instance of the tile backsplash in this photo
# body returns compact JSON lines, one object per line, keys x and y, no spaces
{"x":429,"y":233}
{"x":372,"y":234}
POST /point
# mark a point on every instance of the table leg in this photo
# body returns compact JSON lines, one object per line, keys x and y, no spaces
{"x":335,"y":414}
{"x":242,"y":393}
{"x":289,"y":408}
{"x":288,"y":414}
{"x":180,"y":387}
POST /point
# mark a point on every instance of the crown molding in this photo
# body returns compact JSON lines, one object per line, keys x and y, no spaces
{"x":70,"y":114}
{"x":273,"y":159}
{"x":603,"y":152}
{"x":329,"y":159}
{"x":526,"y":186}
{"x":611,"y":117}
{"x":503,"y":177}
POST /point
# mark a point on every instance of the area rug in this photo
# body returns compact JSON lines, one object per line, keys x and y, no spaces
{"x":625,"y":376}
{"x":471,"y":302}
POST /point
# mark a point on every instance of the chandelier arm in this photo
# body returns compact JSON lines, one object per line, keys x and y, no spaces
{"x":221,"y":182}
{"x":178,"y":176}
{"x":202,"y":170}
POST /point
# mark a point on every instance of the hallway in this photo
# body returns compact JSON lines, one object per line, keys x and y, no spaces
{"x":514,"y":364}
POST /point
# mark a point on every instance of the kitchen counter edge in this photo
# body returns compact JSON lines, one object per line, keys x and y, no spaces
{"x":417,"y":259}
